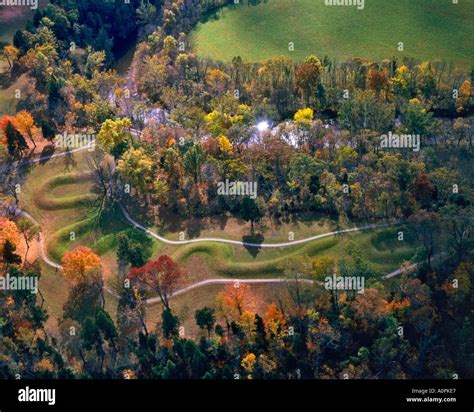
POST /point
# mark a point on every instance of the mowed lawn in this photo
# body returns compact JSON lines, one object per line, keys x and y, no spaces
{"x":429,"y":29}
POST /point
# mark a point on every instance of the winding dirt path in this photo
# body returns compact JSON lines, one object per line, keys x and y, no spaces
{"x":240,"y":243}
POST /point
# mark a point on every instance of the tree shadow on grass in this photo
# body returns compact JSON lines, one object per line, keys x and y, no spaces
{"x":194,"y":227}
{"x":5,"y":80}
{"x":47,"y":151}
{"x":255,"y":239}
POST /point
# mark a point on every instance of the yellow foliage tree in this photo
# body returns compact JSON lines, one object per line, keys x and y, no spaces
{"x":247,"y":323}
{"x":113,"y":132}
{"x":136,"y":167}
{"x":217,"y":80}
{"x":304,"y":116}
{"x":323,"y":267}
{"x":248,"y":362}
{"x":225,"y":146}
{"x":26,"y":125}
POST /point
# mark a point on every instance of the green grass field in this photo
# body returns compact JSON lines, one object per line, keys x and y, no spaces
{"x":429,"y":29}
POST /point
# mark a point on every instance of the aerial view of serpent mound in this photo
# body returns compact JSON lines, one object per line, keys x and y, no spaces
{"x":240,"y":190}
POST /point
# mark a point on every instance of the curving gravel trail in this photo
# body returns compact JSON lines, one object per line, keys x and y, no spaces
{"x":240,"y":243}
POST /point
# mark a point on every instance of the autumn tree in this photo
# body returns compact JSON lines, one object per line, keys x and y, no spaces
{"x":225,"y":146}
{"x":4,"y":120}
{"x":303,"y":117}
{"x":234,"y":300}
{"x":377,"y":79}
{"x":26,"y":125}
{"x":308,"y":75}
{"x":8,"y":233}
{"x":274,"y":320}
{"x":464,"y":96}
{"x":81,"y":265}
{"x":114,"y":135}
{"x":15,"y":142}
{"x":29,"y":230}
{"x":162,"y":276}
{"x":10,"y":53}
{"x":323,"y":266}
{"x":136,"y":168}
{"x":218,"y":81}
{"x":369,"y":307}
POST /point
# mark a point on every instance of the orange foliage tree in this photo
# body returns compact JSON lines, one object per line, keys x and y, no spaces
{"x":274,"y":320}
{"x":369,"y":307}
{"x":10,"y":53}
{"x":234,"y":300}
{"x":81,"y":264}
{"x":8,"y":232}
{"x":4,"y":120}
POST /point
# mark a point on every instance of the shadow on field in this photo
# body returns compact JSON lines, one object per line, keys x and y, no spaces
{"x":257,"y":239}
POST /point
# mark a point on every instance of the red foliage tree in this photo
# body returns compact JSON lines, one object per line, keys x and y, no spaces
{"x":162,"y":276}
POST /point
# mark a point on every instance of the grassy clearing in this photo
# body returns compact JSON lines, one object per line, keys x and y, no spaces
{"x":12,"y":18}
{"x":234,"y":228}
{"x":8,"y":100}
{"x":430,"y":30}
